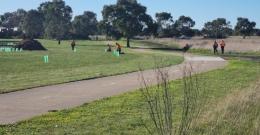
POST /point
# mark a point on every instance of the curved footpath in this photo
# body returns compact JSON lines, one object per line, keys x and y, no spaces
{"x":22,"y":105}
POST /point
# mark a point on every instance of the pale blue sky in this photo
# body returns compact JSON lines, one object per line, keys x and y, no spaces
{"x":200,"y":10}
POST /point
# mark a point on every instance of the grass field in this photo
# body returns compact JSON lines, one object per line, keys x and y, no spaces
{"x":126,"y":114}
{"x":21,"y":70}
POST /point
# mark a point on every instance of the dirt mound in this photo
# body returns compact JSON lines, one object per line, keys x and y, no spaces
{"x":31,"y":45}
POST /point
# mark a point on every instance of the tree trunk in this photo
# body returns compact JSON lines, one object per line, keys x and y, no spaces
{"x":128,"y":42}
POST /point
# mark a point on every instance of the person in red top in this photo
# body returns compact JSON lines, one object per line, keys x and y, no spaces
{"x":222,"y":45}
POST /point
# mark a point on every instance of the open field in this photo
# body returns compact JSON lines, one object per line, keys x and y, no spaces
{"x":126,"y":114}
{"x":21,"y":70}
{"x":237,"y":44}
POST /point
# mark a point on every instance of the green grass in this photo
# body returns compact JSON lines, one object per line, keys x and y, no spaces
{"x":125,"y":114}
{"x":21,"y":70}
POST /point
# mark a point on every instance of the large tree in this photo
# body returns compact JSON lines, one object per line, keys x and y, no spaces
{"x":13,"y":22}
{"x":184,"y":25}
{"x":13,"y":19}
{"x":57,"y":19}
{"x":128,"y":16}
{"x":165,"y":24}
{"x":109,"y":30}
{"x":85,"y":25}
{"x":219,"y":28}
{"x":257,"y":32}
{"x":244,"y":27}
{"x":33,"y":26}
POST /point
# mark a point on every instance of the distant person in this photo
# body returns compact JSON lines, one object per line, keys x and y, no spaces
{"x":215,"y":47}
{"x":222,"y":45}
{"x":109,"y":49}
{"x":59,"y":41}
{"x":186,"y":47}
{"x":73,"y":44}
{"x":119,"y":48}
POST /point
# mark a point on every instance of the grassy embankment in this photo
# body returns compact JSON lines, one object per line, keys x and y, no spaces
{"x":21,"y":70}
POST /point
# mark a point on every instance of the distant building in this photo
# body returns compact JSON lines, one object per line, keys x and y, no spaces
{"x":15,"y":29}
{"x":6,"y":29}
{"x":2,"y":29}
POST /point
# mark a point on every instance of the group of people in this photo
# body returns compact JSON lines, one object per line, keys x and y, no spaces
{"x":109,"y":49}
{"x":222,"y":45}
{"x":118,"y":48}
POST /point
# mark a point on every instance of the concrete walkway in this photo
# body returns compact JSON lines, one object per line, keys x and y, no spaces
{"x":22,"y":105}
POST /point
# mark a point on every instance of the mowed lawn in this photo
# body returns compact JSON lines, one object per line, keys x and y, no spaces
{"x":127,"y":113}
{"x":21,"y":70}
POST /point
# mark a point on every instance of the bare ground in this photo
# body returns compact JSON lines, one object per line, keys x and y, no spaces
{"x":237,"y":44}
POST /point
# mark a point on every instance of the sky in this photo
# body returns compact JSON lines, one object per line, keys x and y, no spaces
{"x":201,"y":11}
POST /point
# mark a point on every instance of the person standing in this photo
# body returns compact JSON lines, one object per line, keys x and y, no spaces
{"x":119,"y":48}
{"x":109,"y":49}
{"x":222,"y":45}
{"x":215,"y":47}
{"x":73,"y":44}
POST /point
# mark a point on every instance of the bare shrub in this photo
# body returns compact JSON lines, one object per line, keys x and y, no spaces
{"x":161,"y":102}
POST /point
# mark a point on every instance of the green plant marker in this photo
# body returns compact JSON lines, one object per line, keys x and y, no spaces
{"x":46,"y":59}
{"x":113,"y":52}
{"x":117,"y":54}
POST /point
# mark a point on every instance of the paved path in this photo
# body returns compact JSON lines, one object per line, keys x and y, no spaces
{"x":22,"y":105}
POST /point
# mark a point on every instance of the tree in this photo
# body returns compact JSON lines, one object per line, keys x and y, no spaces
{"x":184,"y":25}
{"x":109,"y":30}
{"x":258,"y":32}
{"x":33,"y":26}
{"x":165,"y":24}
{"x":85,"y":25}
{"x":12,"y":21}
{"x":244,"y":27}
{"x":128,"y":16}
{"x":219,"y":28}
{"x":57,"y":19}
{"x":197,"y":32}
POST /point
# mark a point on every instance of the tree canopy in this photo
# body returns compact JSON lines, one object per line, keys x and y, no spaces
{"x":184,"y":25}
{"x":85,"y":25}
{"x":219,"y":28}
{"x":165,"y":24}
{"x":57,"y":19}
{"x":244,"y":27}
{"x":33,"y":26}
{"x":128,"y":16}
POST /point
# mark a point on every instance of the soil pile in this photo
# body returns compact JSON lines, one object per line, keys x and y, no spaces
{"x":31,"y":45}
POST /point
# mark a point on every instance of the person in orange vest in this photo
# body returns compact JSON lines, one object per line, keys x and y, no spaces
{"x":119,"y":48}
{"x":215,"y":47}
{"x":222,"y":45}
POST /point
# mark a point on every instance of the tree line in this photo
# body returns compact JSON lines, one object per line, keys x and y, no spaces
{"x":126,"y":18}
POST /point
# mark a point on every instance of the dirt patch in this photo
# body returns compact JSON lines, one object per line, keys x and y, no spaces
{"x":236,"y":43}
{"x":31,"y":45}
{"x":232,"y":44}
